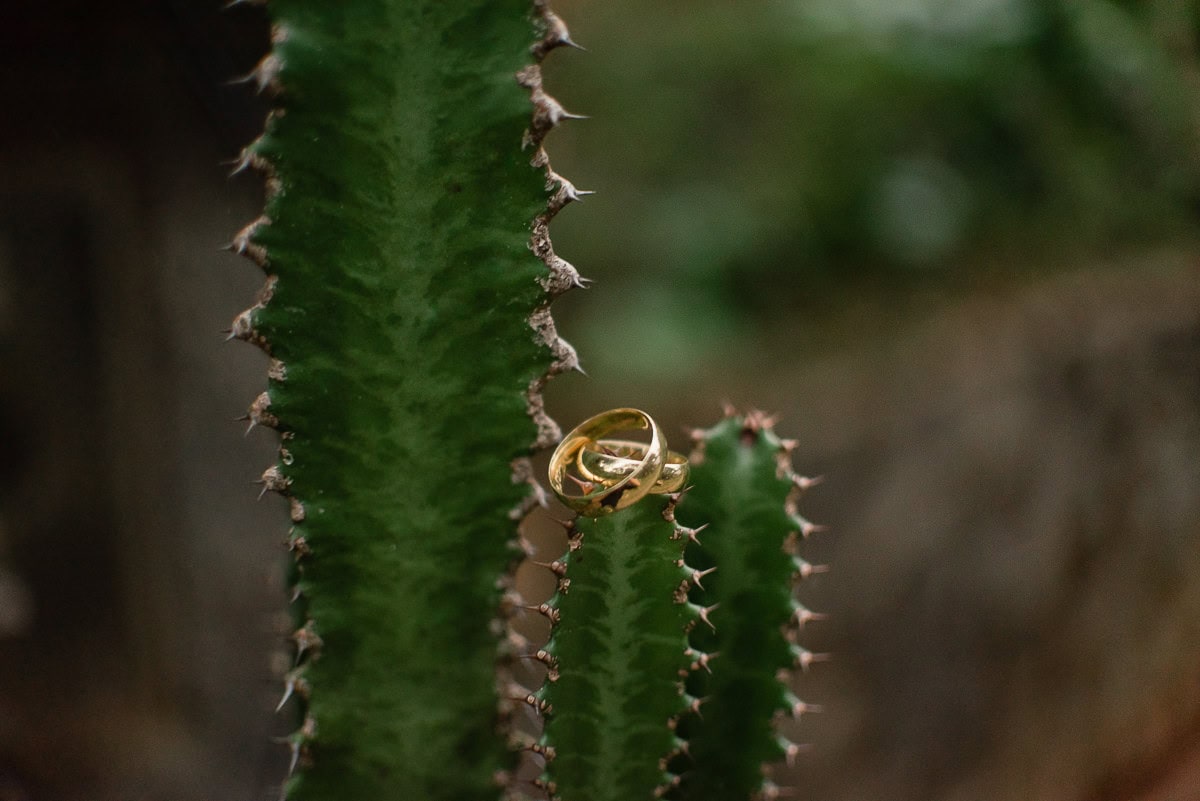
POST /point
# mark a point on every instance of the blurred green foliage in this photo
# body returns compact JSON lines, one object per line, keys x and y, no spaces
{"x":764,"y":159}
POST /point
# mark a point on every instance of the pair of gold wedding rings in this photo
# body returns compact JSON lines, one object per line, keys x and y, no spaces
{"x":614,"y":473}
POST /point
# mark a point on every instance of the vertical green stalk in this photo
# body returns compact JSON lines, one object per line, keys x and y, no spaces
{"x":617,"y":655}
{"x":405,"y":377}
{"x":744,"y":493}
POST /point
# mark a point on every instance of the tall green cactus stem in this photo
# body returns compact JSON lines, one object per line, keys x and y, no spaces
{"x":405,"y":378}
{"x":617,"y":655}
{"x":744,"y":490}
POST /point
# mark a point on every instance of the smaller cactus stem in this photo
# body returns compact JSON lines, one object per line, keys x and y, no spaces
{"x":745,"y":488}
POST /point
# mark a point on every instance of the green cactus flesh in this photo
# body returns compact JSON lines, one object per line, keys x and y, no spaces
{"x":617,"y":656}
{"x":743,"y":490}
{"x":406,"y":319}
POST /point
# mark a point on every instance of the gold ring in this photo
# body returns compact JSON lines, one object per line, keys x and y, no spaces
{"x":612,"y":459}
{"x":627,"y":489}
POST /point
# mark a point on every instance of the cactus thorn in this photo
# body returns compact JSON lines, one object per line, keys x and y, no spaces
{"x":557,"y":33}
{"x":306,"y":639}
{"x":804,"y":658}
{"x":702,"y":660}
{"x":803,"y":483}
{"x":699,"y":574}
{"x":272,"y":481}
{"x":543,"y":656}
{"x":805,"y":528}
{"x":264,"y":74}
{"x":240,"y":164}
{"x":802,"y":615}
{"x":808,"y":528}
{"x":556,"y":567}
{"x":288,"y":688}
{"x":294,"y":760}
{"x":800,"y":708}
{"x":545,"y":610}
{"x":704,"y":613}
{"x":567,"y":189}
{"x":805,"y":569}
{"x":535,"y":703}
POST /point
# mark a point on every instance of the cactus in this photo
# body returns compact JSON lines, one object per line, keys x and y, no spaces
{"x":744,"y":491}
{"x":410,"y":339}
{"x":617,"y":654}
{"x":405,"y":378}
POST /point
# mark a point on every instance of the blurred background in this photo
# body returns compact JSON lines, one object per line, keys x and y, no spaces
{"x":951,"y":244}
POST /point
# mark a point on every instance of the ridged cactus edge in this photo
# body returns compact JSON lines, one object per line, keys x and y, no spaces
{"x":409,"y":333}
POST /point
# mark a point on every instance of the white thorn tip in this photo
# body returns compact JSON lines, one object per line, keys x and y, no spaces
{"x":288,"y":689}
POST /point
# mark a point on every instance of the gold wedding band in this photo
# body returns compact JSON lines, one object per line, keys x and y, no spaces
{"x":613,"y":459}
{"x":611,"y":495}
